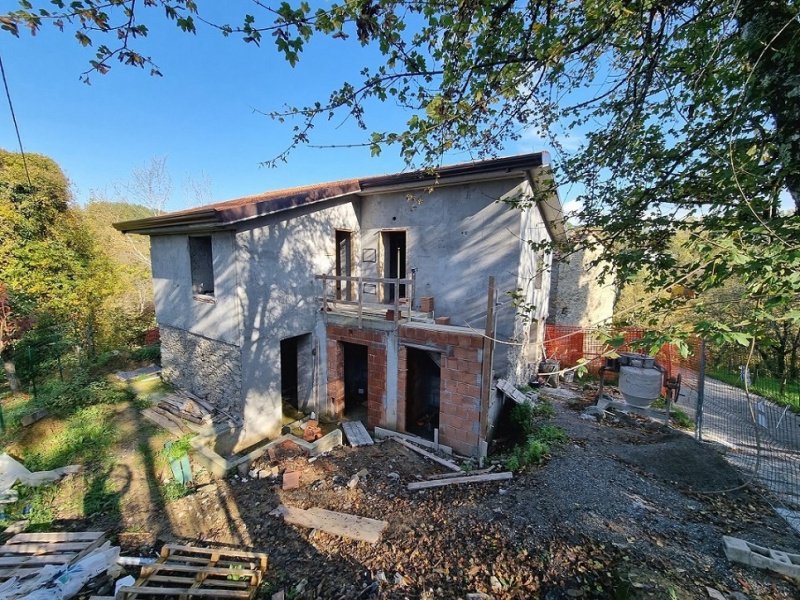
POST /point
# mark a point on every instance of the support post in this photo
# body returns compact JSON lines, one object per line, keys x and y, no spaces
{"x":360,"y":303}
{"x":701,"y":392}
{"x":324,"y":293}
{"x":486,"y":371}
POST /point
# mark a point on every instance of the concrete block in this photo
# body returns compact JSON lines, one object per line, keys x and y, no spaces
{"x":739,"y":550}
{"x":326,"y":443}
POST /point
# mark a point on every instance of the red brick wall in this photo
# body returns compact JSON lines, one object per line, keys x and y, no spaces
{"x":376,"y":370}
{"x":460,"y":400}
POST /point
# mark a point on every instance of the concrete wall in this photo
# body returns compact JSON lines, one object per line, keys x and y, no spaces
{"x":215,"y":319}
{"x":456,"y":237}
{"x":278,"y":257}
{"x":533,"y":284}
{"x":578,"y":297}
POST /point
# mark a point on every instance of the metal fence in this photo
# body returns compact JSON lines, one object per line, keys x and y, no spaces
{"x":733,"y":397}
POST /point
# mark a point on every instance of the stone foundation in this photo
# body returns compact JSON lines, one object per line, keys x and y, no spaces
{"x":208,"y":368}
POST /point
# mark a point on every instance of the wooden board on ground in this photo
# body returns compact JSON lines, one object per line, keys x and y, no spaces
{"x":162,"y":421}
{"x":421,"y":485}
{"x":459,"y":474}
{"x":26,"y":553}
{"x":356,"y":434}
{"x":342,"y":524}
{"x":512,"y":392}
{"x":382,"y":433}
{"x":444,"y":462}
{"x":189,"y":572}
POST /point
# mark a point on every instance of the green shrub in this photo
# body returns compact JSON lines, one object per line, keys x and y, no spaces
{"x":521,"y":420}
{"x":179,"y":448}
{"x":534,"y":451}
{"x":172,"y":490}
{"x":151,"y":353}
{"x":64,"y":397}
{"x":550,"y":434}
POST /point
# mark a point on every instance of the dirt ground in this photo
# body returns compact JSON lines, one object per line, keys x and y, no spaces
{"x":624,"y":510}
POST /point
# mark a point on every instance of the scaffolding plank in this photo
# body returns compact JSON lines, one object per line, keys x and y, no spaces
{"x":421,"y":485}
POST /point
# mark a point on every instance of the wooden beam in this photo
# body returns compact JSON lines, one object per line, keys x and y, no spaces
{"x":445,"y":463}
{"x":383,"y":434}
{"x":421,"y":485}
{"x":488,"y":351}
{"x":461,"y":474}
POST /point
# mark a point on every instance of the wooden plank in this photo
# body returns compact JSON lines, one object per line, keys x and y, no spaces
{"x":62,"y":536}
{"x":356,"y":434}
{"x":445,"y":463}
{"x":184,"y":592}
{"x":205,"y":570}
{"x":421,"y":485}
{"x":382,"y":433}
{"x":43,"y":548}
{"x":344,"y":525}
{"x":161,"y":421}
{"x":191,"y":580}
{"x":486,"y":366}
{"x":512,"y":392}
{"x":47,"y":559}
{"x":461,"y":474}
{"x":20,"y":572}
{"x":177,"y":551}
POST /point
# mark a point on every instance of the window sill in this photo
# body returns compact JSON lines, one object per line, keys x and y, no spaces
{"x":204,"y":298}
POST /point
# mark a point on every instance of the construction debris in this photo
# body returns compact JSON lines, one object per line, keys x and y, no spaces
{"x":382,"y":434}
{"x":739,"y":550}
{"x":512,"y":392}
{"x":312,"y":431}
{"x":12,"y":471}
{"x":185,"y":571}
{"x":444,"y":462}
{"x":459,"y":474}
{"x":356,"y":434}
{"x":291,"y":480}
{"x":421,"y":485}
{"x":335,"y":523}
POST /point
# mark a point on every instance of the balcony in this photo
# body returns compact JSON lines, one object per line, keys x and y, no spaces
{"x":346,"y":296}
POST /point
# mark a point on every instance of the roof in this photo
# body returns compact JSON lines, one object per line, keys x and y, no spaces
{"x":226,"y":214}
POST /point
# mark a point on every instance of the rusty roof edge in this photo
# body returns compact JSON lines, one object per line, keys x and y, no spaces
{"x":225,"y":216}
{"x":522,"y":162}
{"x":205,"y":217}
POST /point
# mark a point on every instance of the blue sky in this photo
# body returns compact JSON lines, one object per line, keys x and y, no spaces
{"x":200,"y":114}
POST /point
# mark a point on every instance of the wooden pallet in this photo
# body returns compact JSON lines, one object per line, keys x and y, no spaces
{"x":356,"y":434}
{"x":188,"y":572}
{"x":26,"y":553}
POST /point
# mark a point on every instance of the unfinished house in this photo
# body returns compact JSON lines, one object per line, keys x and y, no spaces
{"x":361,"y":299}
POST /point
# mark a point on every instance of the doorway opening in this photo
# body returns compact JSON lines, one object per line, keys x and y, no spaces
{"x":355,"y":381}
{"x":394,"y":267}
{"x":296,"y":375}
{"x":423,"y":391}
{"x":344,"y":264}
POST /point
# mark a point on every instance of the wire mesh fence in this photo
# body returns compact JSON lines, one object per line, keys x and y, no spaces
{"x":746,"y":401}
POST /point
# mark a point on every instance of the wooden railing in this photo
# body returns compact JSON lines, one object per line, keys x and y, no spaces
{"x":342,"y":285}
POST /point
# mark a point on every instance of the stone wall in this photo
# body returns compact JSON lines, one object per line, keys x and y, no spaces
{"x":208,"y":368}
{"x":578,"y":297}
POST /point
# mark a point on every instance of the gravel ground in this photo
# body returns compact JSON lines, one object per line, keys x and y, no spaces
{"x":624,"y":510}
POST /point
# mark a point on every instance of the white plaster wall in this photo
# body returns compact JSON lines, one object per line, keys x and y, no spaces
{"x":456,"y":236}
{"x":172,"y":288}
{"x":278,"y":257}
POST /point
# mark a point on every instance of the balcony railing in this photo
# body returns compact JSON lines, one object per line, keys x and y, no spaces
{"x":341,"y":291}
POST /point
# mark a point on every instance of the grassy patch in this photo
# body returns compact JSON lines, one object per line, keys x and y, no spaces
{"x":783,"y":393}
{"x":84,"y":438}
{"x":676,"y":415}
{"x":172,"y":490}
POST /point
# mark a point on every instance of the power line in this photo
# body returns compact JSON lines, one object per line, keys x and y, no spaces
{"x":14,"y":118}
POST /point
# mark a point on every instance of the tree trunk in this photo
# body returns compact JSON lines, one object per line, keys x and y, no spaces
{"x":11,"y":374}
